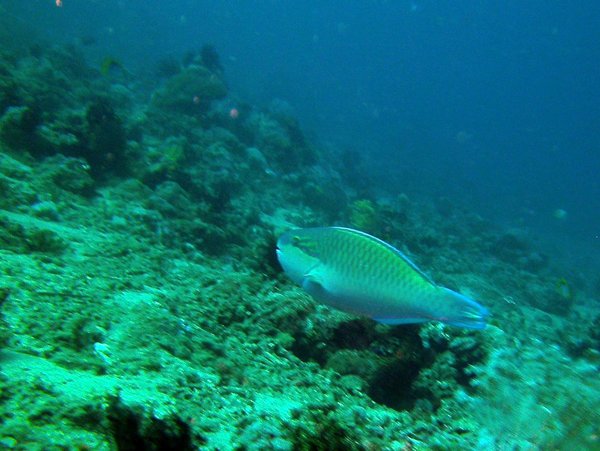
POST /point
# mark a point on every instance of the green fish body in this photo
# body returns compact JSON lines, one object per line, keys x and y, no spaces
{"x":358,"y":273}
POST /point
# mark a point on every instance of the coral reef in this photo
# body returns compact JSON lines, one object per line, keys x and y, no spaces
{"x":106,"y":139}
{"x":190,"y":91}
{"x":142,"y":306}
{"x":363,"y":216}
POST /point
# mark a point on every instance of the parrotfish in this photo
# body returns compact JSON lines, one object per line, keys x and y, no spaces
{"x":358,"y":273}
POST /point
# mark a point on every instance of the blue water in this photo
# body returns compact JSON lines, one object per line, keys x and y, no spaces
{"x":493,"y":104}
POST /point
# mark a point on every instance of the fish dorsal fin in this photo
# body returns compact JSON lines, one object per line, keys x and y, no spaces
{"x":390,"y":248}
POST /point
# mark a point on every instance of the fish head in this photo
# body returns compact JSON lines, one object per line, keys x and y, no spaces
{"x":461,"y":311}
{"x":296,"y":254}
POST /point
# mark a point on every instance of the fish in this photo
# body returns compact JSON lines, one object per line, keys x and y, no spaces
{"x":358,"y":273}
{"x":110,"y":64}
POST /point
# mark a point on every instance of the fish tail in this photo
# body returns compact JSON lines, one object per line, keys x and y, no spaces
{"x":459,"y":310}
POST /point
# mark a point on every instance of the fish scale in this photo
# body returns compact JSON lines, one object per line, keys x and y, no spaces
{"x":356,"y":272}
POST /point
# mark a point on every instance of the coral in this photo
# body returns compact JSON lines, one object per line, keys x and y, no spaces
{"x":71,"y":61}
{"x":105,"y":140}
{"x":55,"y":138}
{"x":439,"y":381}
{"x":363,"y":216}
{"x":265,"y":434}
{"x":210,"y":58}
{"x":4,"y":327}
{"x":280,"y":139}
{"x":271,"y":135}
{"x":153,"y":313}
{"x":354,"y":171}
{"x":46,"y":210}
{"x":26,"y":238}
{"x":322,"y":427}
{"x":512,"y":246}
{"x":358,"y":363}
{"x":18,"y":127}
{"x":549,"y":294}
{"x":164,"y":161}
{"x":167,"y":67}
{"x":191,"y":91}
{"x":69,"y":174}
{"x":14,"y":189}
{"x":46,"y":83}
{"x":8,"y":89}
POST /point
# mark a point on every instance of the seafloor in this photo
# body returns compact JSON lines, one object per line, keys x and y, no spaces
{"x":142,"y":306}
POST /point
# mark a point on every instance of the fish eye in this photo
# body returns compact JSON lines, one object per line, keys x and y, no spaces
{"x":305,"y":245}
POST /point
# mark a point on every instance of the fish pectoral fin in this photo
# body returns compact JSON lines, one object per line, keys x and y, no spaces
{"x":313,"y":282}
{"x":313,"y":288}
{"x":398,"y":321}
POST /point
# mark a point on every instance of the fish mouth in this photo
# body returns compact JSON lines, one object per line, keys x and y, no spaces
{"x":473,"y":318}
{"x":279,"y":254}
